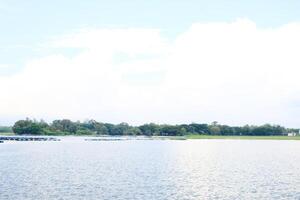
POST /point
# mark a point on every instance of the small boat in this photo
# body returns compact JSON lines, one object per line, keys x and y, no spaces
{"x":1,"y":141}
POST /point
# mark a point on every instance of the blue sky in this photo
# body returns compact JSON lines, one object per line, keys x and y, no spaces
{"x":148,"y":53}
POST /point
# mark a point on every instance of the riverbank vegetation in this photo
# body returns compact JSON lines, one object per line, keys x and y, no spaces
{"x":243,"y":137}
{"x":92,"y":127}
{"x":6,"y":129}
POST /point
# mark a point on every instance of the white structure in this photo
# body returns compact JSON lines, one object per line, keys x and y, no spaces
{"x":292,"y":134}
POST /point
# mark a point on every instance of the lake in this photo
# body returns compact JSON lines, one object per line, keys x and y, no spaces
{"x":150,"y":169}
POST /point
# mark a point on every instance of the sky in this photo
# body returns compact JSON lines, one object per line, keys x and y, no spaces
{"x":171,"y":61}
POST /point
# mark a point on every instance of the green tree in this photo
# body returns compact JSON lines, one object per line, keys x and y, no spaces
{"x":27,"y":127}
{"x":150,"y":129}
{"x":64,"y":125}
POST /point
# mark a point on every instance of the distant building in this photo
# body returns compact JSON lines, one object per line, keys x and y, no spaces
{"x":292,"y":134}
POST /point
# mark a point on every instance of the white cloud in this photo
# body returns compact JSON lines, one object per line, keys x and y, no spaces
{"x":3,"y":66}
{"x":230,"y":72}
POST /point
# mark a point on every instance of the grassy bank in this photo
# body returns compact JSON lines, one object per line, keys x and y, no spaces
{"x":7,"y":134}
{"x":243,"y":137}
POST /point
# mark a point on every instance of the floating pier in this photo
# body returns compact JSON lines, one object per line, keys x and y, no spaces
{"x":105,"y":139}
{"x":27,"y":138}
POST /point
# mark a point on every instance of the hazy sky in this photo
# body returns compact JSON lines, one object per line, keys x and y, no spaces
{"x":170,"y":61}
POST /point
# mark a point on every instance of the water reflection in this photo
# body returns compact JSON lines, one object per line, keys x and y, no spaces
{"x":130,"y":169}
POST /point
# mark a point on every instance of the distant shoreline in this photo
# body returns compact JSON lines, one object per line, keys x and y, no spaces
{"x":243,"y":137}
{"x":186,"y":137}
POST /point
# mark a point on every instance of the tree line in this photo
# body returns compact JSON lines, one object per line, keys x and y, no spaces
{"x":92,"y":127}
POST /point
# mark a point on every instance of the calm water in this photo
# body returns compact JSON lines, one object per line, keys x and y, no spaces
{"x":137,"y":169}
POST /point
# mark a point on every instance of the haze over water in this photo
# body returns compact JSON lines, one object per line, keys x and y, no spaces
{"x":156,"y":169}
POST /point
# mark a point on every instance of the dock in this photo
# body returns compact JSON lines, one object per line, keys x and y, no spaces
{"x":105,"y":139}
{"x":27,"y":138}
